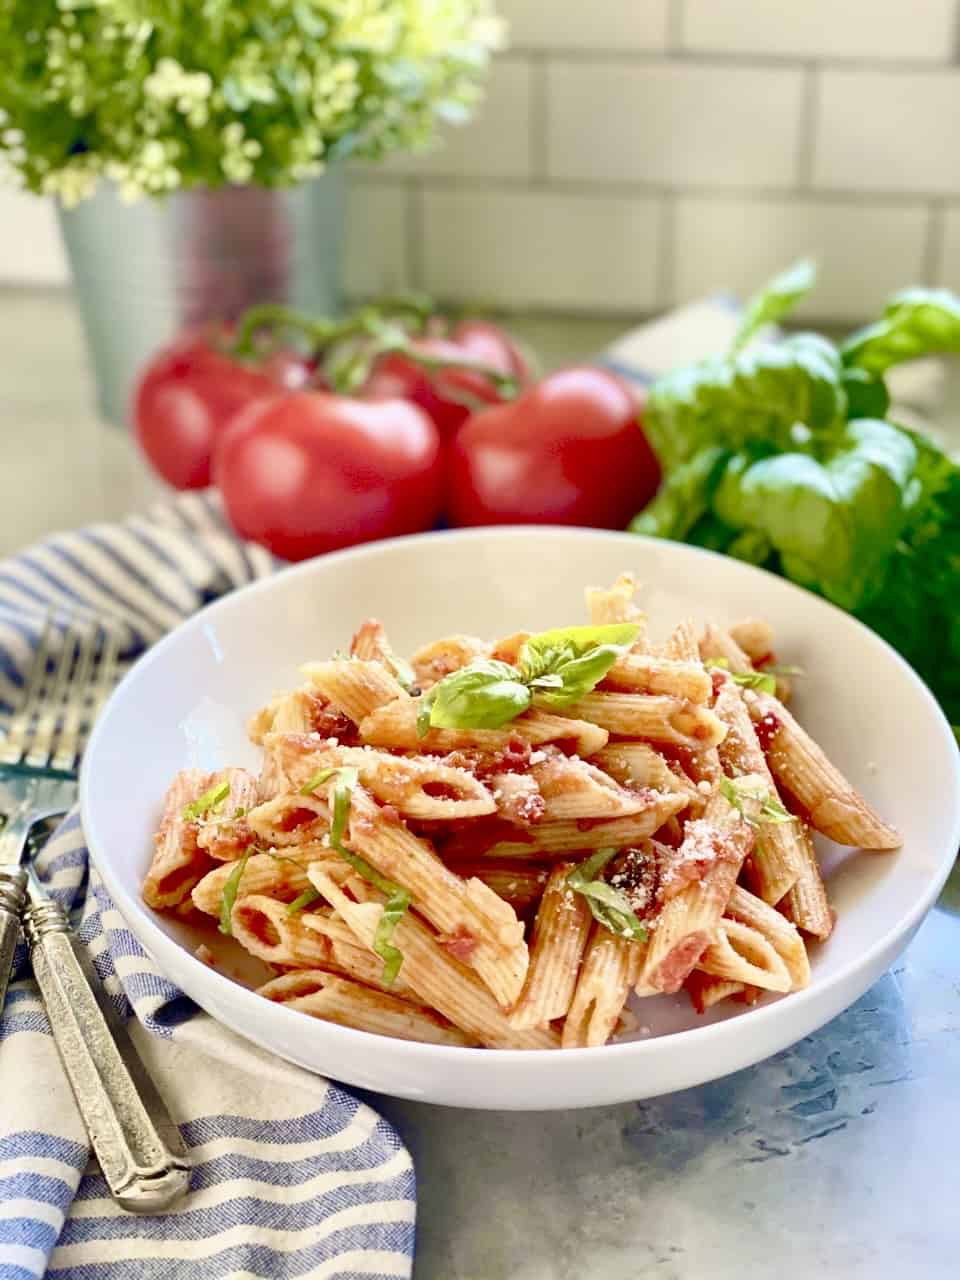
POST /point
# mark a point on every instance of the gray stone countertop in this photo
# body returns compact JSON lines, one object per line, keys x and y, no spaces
{"x":838,"y":1158}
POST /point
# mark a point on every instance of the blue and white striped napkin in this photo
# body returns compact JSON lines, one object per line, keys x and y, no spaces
{"x":291,"y":1175}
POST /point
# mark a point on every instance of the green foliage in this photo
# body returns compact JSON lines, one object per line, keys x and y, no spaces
{"x":162,"y":94}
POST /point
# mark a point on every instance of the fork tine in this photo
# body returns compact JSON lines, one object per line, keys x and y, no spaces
{"x":68,"y":744}
{"x":16,"y":740}
{"x":52,"y":706}
{"x":106,"y":679}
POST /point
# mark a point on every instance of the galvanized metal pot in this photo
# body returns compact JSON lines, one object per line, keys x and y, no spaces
{"x":145,"y":271}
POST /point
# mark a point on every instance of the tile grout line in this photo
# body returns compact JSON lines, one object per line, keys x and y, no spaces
{"x":933,"y":248}
{"x":692,"y":57}
{"x":809,"y":122}
{"x":674,"y":32}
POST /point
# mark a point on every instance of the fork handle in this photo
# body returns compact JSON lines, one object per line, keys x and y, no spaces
{"x":142,"y":1173}
{"x":13,"y":894}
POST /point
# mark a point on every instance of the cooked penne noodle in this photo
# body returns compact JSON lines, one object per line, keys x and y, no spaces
{"x":712,"y":854}
{"x":555,"y":839}
{"x":355,"y":687}
{"x":637,"y":764}
{"x":457,"y":908}
{"x":778,"y":856}
{"x":682,"y":644}
{"x":177,"y":863}
{"x":437,"y":659}
{"x":267,"y":930}
{"x":418,"y":788}
{"x":779,"y":932}
{"x":395,"y":726}
{"x":644,"y":673}
{"x":514,"y":881}
{"x":560,"y":934}
{"x":371,"y":839}
{"x":429,"y":970}
{"x":609,"y":969}
{"x":652,"y":716}
{"x":272,"y":875}
{"x":572,"y":788}
{"x":806,"y":904}
{"x":744,"y":955}
{"x":337,"y":999}
{"x":705,"y":990}
{"x":833,"y":805}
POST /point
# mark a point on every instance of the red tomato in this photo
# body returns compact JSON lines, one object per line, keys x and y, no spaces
{"x":568,"y":451}
{"x":187,"y":395}
{"x":307,"y":472}
{"x":441,"y":393}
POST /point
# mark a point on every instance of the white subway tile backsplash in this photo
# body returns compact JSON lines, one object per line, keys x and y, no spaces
{"x":534,"y":249}
{"x":496,"y":142}
{"x":669,"y":122}
{"x":602,"y":24}
{"x":888,"y":131}
{"x":864,"y":251}
{"x":923,"y":29}
{"x":375,"y":239}
{"x":30,"y":247}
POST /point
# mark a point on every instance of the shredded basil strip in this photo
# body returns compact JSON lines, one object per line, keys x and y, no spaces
{"x":323,"y":775}
{"x":402,"y":671}
{"x":209,"y":800}
{"x":610,"y":907}
{"x":765,"y":680}
{"x":398,"y":899}
{"x":303,"y":900}
{"x":230,"y":894}
{"x":771,"y":810}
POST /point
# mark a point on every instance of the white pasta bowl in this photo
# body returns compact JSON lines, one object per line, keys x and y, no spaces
{"x":185,"y":704}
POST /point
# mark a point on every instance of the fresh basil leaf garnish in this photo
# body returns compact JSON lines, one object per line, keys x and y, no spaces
{"x":318,"y":779}
{"x":767,"y":809}
{"x":779,"y":296}
{"x":609,"y":906}
{"x":564,"y":664}
{"x":209,"y":800}
{"x":303,"y":900}
{"x":484,"y":695}
{"x":230,"y":889}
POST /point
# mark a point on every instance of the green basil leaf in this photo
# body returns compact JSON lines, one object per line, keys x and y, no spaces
{"x":230,"y":889}
{"x":867,"y":396}
{"x":424,"y":711}
{"x":779,"y":296}
{"x":833,"y":523}
{"x":303,"y":900}
{"x":684,"y":496}
{"x":402,"y":670}
{"x":484,"y":695}
{"x":916,"y":322}
{"x":209,"y":800}
{"x":347,"y":779}
{"x":610,"y":907}
{"x":392,"y":957}
{"x":318,"y":779}
{"x":762,"y":680}
{"x":769,"y":809}
{"x":564,"y":664}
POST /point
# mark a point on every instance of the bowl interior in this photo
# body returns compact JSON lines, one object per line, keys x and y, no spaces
{"x":187,"y":701}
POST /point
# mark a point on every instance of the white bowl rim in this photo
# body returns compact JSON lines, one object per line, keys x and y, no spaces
{"x":412,"y":1051}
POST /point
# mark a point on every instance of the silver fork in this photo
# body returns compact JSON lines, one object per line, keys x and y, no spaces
{"x":131,"y":1132}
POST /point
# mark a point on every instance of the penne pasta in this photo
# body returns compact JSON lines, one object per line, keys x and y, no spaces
{"x":717,"y":645}
{"x":271,"y":875}
{"x":560,"y":934}
{"x":289,"y":819}
{"x":644,"y":673}
{"x":556,"y":839}
{"x":638,"y":764}
{"x":654,"y":717}
{"x":432,"y":973}
{"x":437,"y":659}
{"x":267,"y":930}
{"x":696,"y":892}
{"x":616,"y":604}
{"x":705,"y":990}
{"x":572,"y":788}
{"x":394,"y":726}
{"x":779,"y":932}
{"x":514,"y":881}
{"x":833,"y":805}
{"x":744,"y":955}
{"x":178,"y":863}
{"x":682,"y":644}
{"x":610,"y":968}
{"x":754,"y":637}
{"x":806,"y":904}
{"x":355,"y":687}
{"x":418,"y":788}
{"x":778,"y":856}
{"x":337,"y":999}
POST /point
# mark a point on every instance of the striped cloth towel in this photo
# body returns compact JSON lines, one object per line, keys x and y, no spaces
{"x":291,"y":1175}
